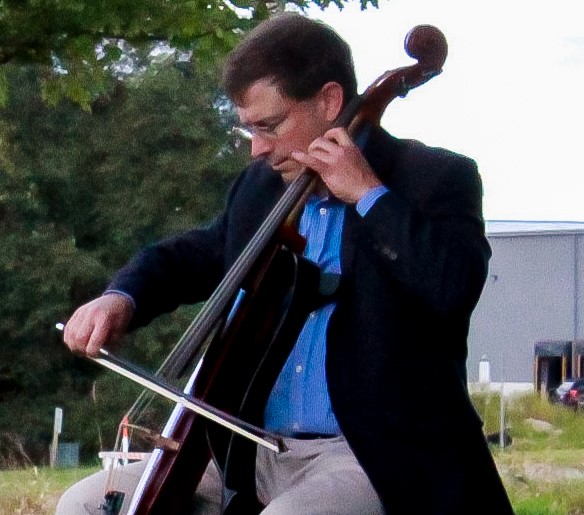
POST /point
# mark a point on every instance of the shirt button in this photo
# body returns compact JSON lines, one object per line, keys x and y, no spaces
{"x":296,"y":425}
{"x":322,"y":211}
{"x":298,"y":369}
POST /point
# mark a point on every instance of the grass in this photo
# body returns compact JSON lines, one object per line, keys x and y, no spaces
{"x":543,"y":469}
{"x":35,"y":491}
{"x":548,"y":482}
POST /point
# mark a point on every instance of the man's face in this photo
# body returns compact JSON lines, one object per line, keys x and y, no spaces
{"x":279,"y":124}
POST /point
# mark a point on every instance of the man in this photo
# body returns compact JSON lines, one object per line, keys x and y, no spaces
{"x":401,"y":224}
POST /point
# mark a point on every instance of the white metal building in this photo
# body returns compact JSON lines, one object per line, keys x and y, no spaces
{"x":534,"y":293}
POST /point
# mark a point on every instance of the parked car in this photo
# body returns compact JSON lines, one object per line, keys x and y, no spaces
{"x":569,"y":393}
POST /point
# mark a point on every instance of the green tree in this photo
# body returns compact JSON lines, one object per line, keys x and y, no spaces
{"x":63,"y":35}
{"x":80,"y":192}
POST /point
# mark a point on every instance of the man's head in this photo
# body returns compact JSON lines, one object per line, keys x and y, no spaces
{"x":298,"y":54}
{"x":289,"y":78}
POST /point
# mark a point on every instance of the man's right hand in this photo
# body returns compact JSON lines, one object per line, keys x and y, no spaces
{"x":97,"y":323}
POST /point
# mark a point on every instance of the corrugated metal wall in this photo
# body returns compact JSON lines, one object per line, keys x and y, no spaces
{"x":534,"y":293}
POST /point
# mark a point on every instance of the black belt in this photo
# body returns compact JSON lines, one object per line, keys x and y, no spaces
{"x":311,"y":436}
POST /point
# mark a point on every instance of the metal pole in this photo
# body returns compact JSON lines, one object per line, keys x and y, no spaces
{"x":502,"y":418}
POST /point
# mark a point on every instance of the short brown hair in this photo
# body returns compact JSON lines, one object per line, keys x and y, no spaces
{"x":300,"y":55}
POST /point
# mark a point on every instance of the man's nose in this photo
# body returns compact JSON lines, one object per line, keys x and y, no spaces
{"x":260,"y":146}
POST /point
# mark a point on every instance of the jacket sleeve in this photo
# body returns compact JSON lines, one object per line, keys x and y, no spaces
{"x":183,"y":269}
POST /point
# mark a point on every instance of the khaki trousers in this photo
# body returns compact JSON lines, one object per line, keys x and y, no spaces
{"x":315,"y":477}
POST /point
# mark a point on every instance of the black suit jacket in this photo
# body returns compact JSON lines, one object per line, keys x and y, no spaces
{"x":412,"y":271}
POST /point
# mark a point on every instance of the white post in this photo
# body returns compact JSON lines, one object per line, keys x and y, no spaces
{"x":57,"y":427}
{"x":484,"y":371}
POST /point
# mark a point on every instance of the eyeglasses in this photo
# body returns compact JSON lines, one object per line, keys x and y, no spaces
{"x":269,"y":128}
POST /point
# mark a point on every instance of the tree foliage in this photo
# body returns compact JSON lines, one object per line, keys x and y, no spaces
{"x":77,"y":41}
{"x":81,"y":192}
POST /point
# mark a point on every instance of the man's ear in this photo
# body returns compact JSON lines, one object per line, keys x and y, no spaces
{"x":332,"y":96}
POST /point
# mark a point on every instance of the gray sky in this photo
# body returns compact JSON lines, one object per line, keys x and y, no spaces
{"x":510,"y":95}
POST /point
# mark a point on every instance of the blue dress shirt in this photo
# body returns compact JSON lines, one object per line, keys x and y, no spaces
{"x":299,"y":402}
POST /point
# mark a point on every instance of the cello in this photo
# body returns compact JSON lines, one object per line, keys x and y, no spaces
{"x":241,"y":338}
